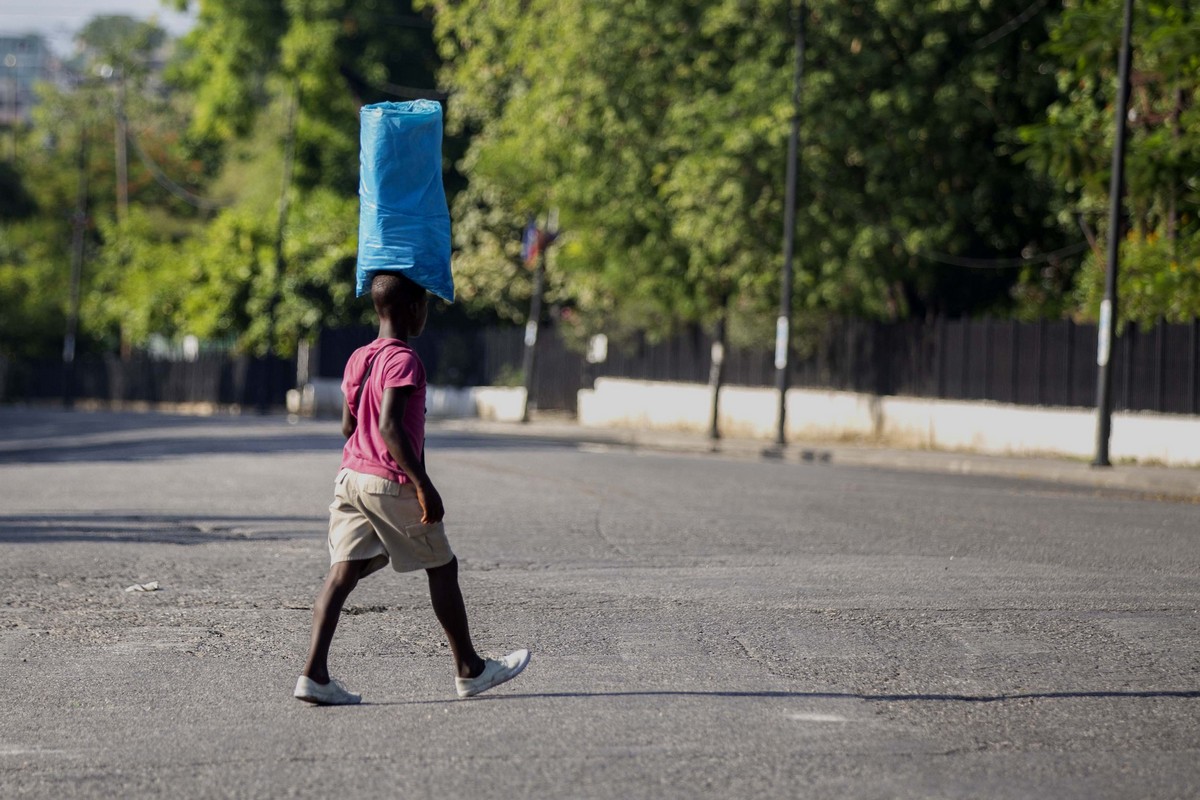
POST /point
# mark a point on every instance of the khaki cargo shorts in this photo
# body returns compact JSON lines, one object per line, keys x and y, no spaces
{"x":376,"y":520}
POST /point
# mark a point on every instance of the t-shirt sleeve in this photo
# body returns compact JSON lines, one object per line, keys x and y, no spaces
{"x":403,"y":368}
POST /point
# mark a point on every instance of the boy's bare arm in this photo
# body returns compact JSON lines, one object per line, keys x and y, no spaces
{"x":391,"y":413}
{"x":349,"y":423}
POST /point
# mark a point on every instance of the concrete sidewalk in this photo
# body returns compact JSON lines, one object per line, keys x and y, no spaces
{"x":1171,"y":483}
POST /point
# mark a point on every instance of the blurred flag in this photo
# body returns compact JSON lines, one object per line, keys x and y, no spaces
{"x":531,"y":243}
{"x":534,"y":240}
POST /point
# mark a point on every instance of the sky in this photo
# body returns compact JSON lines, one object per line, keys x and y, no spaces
{"x":59,"y":20}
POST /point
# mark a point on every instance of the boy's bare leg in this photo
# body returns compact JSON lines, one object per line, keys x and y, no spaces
{"x":448,"y":606}
{"x":327,"y":608}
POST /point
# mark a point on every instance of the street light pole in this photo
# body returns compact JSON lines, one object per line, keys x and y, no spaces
{"x":13,"y":64}
{"x":289,"y":157}
{"x":120,"y":139}
{"x":541,"y":240}
{"x":783,"y":323}
{"x":78,"y":229}
{"x":1108,"y":308}
{"x":529,"y":360}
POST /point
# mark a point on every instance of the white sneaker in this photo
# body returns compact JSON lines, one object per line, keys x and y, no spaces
{"x":494,"y":673}
{"x":326,"y":694}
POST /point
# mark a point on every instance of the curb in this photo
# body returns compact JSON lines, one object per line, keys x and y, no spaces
{"x":1155,"y":483}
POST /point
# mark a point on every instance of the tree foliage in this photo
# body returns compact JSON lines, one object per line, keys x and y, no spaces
{"x":119,"y":42}
{"x":202,"y":251}
{"x":933,"y":137}
{"x":660,"y":131}
{"x":334,"y":55}
{"x":1073,"y":143}
{"x":69,"y":152}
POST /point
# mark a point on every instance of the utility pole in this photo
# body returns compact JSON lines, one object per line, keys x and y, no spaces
{"x":529,"y":358}
{"x":1108,"y":308}
{"x":289,"y":154}
{"x":784,"y":322}
{"x":537,"y":242}
{"x":541,"y":240}
{"x":12,"y":64}
{"x":78,"y":228}
{"x":122,"y":155}
{"x":716,"y":371}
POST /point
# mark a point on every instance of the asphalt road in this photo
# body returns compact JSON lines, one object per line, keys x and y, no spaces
{"x":701,"y":627}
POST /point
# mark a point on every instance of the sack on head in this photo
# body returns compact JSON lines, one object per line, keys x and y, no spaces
{"x":403,"y":222}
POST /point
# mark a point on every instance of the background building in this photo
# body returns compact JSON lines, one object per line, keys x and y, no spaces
{"x":24,"y":61}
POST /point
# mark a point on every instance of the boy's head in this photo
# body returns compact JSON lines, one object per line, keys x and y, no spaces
{"x":400,"y":301}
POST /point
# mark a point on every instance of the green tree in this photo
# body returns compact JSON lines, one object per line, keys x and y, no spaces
{"x":120,"y":42}
{"x":236,"y":293}
{"x":1072,"y":145}
{"x":569,"y":106}
{"x":33,"y":272}
{"x":269,"y":78}
{"x":660,"y":131}
{"x":335,"y":55}
{"x":66,"y":143}
{"x":909,"y":153}
{"x":78,"y":125}
{"x":199,"y":252}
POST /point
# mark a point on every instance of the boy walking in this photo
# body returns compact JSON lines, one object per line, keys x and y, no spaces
{"x":385,"y":506}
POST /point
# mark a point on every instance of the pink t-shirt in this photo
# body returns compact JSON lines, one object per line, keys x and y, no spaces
{"x":395,"y":365}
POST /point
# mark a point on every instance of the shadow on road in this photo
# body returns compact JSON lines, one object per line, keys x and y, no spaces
{"x":156,"y":528}
{"x":199,"y":445}
{"x":171,"y":447}
{"x":491,"y":441}
{"x":19,"y":423}
{"x":59,"y":438}
{"x":874,"y":698}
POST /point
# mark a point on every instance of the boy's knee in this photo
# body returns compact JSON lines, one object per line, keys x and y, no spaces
{"x":445,"y":570}
{"x":345,"y":574}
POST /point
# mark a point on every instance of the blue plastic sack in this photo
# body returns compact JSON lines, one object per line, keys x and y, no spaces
{"x":403,"y":222}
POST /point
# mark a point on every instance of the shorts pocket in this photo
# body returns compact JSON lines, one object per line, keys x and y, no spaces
{"x":422,"y":538}
{"x":419,"y":530}
{"x":373,"y":484}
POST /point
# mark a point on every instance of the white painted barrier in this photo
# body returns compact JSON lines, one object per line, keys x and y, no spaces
{"x":744,"y":412}
{"x":912,"y":422}
{"x":499,"y":403}
{"x":323,"y":398}
{"x":995,"y":428}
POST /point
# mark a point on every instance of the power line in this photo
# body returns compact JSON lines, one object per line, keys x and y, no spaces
{"x":196,"y":201}
{"x":1011,"y":25}
{"x":358,"y":82}
{"x":191,"y":198}
{"x":409,"y":92}
{"x":1000,"y":263}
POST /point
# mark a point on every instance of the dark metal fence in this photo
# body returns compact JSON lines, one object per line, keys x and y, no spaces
{"x":465,"y":357}
{"x":210,"y":378}
{"x":472,"y":357}
{"x":1030,"y":363}
{"x":1038,"y":363}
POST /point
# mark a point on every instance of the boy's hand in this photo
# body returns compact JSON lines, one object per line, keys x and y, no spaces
{"x":431,"y":503}
{"x":391,"y":428}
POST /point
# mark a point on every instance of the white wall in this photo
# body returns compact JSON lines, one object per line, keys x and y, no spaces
{"x":898,"y":421}
{"x":814,"y":414}
{"x":323,"y":398}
